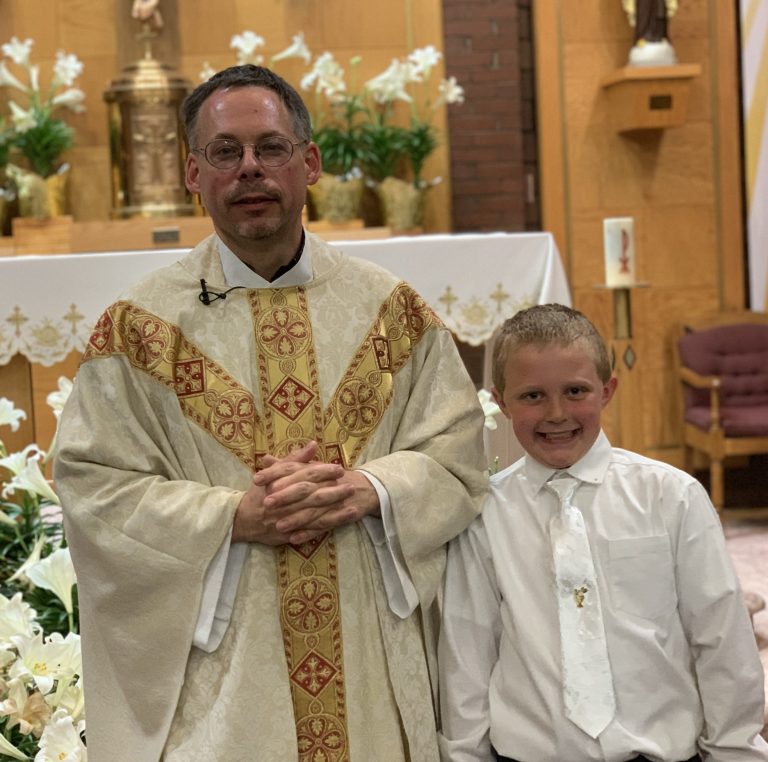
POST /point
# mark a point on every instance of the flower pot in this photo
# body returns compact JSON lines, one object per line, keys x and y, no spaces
{"x":41,"y":197}
{"x":336,"y":199}
{"x":9,"y":205}
{"x":402,"y":203}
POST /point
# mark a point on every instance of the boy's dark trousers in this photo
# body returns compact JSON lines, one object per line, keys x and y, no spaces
{"x":641,"y":758}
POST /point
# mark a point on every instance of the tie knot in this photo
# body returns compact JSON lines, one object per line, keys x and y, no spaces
{"x":563,"y":485}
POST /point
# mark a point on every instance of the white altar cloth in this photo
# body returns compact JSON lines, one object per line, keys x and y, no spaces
{"x":49,"y":304}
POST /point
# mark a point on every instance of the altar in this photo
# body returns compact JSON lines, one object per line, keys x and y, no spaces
{"x":49,"y":304}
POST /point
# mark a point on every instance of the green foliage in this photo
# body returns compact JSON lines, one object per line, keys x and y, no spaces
{"x":382,"y":148}
{"x":339,"y":147}
{"x":43,"y":144}
{"x":421,"y":140}
{"x":7,"y":135}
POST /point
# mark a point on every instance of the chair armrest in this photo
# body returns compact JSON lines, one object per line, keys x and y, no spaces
{"x":713,"y":383}
{"x":692,"y":378}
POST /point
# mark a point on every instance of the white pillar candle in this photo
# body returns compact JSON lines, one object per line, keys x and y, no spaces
{"x":619,"y":248}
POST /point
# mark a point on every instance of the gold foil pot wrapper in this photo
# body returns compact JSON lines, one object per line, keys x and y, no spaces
{"x":336,"y":199}
{"x":41,"y":197}
{"x":402,"y":203}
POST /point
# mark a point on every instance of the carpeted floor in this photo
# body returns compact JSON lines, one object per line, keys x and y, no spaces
{"x":748,"y":546}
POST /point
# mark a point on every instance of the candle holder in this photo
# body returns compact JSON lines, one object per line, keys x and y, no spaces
{"x":622,"y":308}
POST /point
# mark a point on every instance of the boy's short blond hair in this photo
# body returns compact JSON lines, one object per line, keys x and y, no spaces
{"x":548,"y":324}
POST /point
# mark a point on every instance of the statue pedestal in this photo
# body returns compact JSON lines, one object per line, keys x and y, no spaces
{"x":649,"y":97}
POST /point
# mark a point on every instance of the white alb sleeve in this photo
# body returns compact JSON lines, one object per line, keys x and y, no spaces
{"x":401,"y":592}
{"x":219,"y":590}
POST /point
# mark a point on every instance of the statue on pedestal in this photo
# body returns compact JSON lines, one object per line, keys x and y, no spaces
{"x":651,"y":44}
{"x":147,"y":10}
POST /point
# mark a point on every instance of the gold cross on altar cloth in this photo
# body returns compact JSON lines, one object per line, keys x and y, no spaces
{"x":448,"y":298}
{"x":17,"y":320}
{"x":499,"y":296}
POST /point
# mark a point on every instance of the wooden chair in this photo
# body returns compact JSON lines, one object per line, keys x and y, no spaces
{"x":722,"y":363}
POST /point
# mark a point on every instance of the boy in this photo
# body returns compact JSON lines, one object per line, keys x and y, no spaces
{"x":657,"y":660}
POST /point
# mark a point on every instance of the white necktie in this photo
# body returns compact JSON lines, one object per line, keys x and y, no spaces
{"x":587,"y":682}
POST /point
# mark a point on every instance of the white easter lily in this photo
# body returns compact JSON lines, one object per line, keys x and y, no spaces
{"x":490,"y":408}
{"x":61,"y":741}
{"x":73,"y":99}
{"x":17,"y":50}
{"x":16,"y":462}
{"x":31,"y":479}
{"x":6,"y":78}
{"x":29,"y":711}
{"x":423,"y":59}
{"x":326,"y":76}
{"x":246,"y":45}
{"x":206,"y":72}
{"x":69,"y":696}
{"x":390,"y":84}
{"x":23,"y":119}
{"x":56,"y":400}
{"x":55,"y":573}
{"x":45,"y":661}
{"x":67,"y":68}
{"x":450,"y":92}
{"x":9,"y":415}
{"x":34,"y":78}
{"x":16,"y":618}
{"x":297,"y":49}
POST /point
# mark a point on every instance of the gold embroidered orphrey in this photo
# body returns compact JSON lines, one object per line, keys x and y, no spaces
{"x":292,"y":414}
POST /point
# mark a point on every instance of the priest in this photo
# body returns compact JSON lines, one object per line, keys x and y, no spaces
{"x":266,"y":449}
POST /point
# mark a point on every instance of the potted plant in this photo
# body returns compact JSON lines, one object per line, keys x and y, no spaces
{"x":338,"y":130}
{"x":40,"y":136}
{"x":401,"y":191}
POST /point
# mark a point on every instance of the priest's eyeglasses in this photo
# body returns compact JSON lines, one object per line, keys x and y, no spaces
{"x":224,"y":153}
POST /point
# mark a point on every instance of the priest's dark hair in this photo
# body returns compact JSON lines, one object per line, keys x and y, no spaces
{"x":246,"y":75}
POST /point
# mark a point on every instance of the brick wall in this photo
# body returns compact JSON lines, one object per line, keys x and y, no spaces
{"x":488,"y":48}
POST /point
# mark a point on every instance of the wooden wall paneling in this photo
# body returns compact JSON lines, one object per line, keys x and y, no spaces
{"x":553,"y":170}
{"x":727,"y":125}
{"x":16,"y":385}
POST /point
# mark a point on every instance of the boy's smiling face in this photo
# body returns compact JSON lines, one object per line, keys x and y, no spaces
{"x":554,"y":398}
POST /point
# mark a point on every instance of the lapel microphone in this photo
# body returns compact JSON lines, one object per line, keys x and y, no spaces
{"x":206,"y":296}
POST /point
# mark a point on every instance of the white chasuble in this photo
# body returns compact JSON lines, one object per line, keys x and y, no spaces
{"x":313,"y":665}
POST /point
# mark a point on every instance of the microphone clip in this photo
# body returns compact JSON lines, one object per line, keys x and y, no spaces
{"x":206,"y":296}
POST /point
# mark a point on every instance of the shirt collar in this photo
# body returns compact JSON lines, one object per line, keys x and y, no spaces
{"x":590,"y":469}
{"x":237,"y":273}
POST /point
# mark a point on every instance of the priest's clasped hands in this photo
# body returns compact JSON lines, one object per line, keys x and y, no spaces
{"x":297,"y":499}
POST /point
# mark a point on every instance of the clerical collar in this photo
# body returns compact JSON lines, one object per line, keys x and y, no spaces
{"x":236,"y":273}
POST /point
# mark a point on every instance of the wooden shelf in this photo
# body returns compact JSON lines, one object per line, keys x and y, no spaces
{"x":649,"y":97}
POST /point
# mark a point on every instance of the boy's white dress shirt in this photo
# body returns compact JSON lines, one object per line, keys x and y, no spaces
{"x":685,"y":667}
